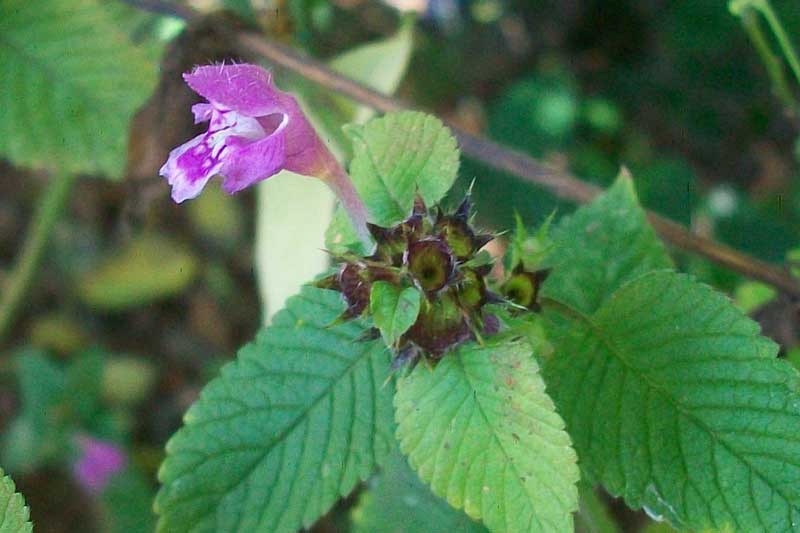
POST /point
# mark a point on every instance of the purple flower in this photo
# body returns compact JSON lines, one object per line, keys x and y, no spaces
{"x":99,"y":460}
{"x":255,"y":130}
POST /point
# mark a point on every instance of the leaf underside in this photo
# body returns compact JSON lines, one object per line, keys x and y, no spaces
{"x":481,"y":430}
{"x":294,"y":423}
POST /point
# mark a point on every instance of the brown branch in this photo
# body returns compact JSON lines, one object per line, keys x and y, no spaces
{"x":521,"y":165}
{"x":517,"y":163}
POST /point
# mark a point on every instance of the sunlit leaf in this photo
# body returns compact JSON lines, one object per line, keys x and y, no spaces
{"x":396,"y":157}
{"x":14,"y":515}
{"x":480,"y":429}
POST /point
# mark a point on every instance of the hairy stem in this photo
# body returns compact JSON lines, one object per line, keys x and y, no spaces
{"x":341,"y":184}
{"x":48,"y":210}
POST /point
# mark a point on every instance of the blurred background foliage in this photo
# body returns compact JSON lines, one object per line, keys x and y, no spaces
{"x":138,"y":301}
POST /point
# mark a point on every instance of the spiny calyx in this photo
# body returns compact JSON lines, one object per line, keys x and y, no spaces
{"x":439,"y":256}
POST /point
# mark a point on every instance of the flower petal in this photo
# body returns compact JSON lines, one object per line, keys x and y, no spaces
{"x":202,"y":112}
{"x":99,"y":461}
{"x":184,"y":169}
{"x":249,"y":90}
{"x":255,"y":130}
{"x":246,"y":89}
{"x":252,"y":161}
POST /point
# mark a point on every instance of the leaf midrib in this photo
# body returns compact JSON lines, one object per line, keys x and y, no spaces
{"x":487,"y":421}
{"x":384,"y":176}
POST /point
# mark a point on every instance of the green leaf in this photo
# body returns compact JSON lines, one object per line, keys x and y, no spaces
{"x":127,"y":380}
{"x":600,"y":247}
{"x":394,"y":309}
{"x":529,"y":250}
{"x":37,"y":434}
{"x":128,"y":503}
{"x":14,"y":515}
{"x":398,"y":502}
{"x":148,"y":269}
{"x":60,"y":332}
{"x":676,"y":403}
{"x":71,"y":81}
{"x":380,"y":65}
{"x":664,"y":527}
{"x":593,"y":515}
{"x":396,"y":157}
{"x":294,"y":423}
{"x":481,"y":430}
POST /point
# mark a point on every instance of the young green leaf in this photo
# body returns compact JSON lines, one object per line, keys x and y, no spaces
{"x":481,"y":430}
{"x":294,"y":423}
{"x":676,"y":403}
{"x":14,"y":515}
{"x":398,"y":502}
{"x":396,"y":157}
{"x":71,"y":81}
{"x":394,"y":309}
{"x":600,"y":247}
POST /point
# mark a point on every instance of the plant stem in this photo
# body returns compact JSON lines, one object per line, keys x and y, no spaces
{"x":48,"y":211}
{"x":783,"y":39}
{"x":772,"y":62}
{"x":342,"y":186}
{"x":521,"y":165}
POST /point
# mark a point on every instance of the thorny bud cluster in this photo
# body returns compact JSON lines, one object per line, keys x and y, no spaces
{"x":440,"y":255}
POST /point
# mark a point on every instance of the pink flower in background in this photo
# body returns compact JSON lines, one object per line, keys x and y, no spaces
{"x":98,"y":462}
{"x":255,"y":130}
